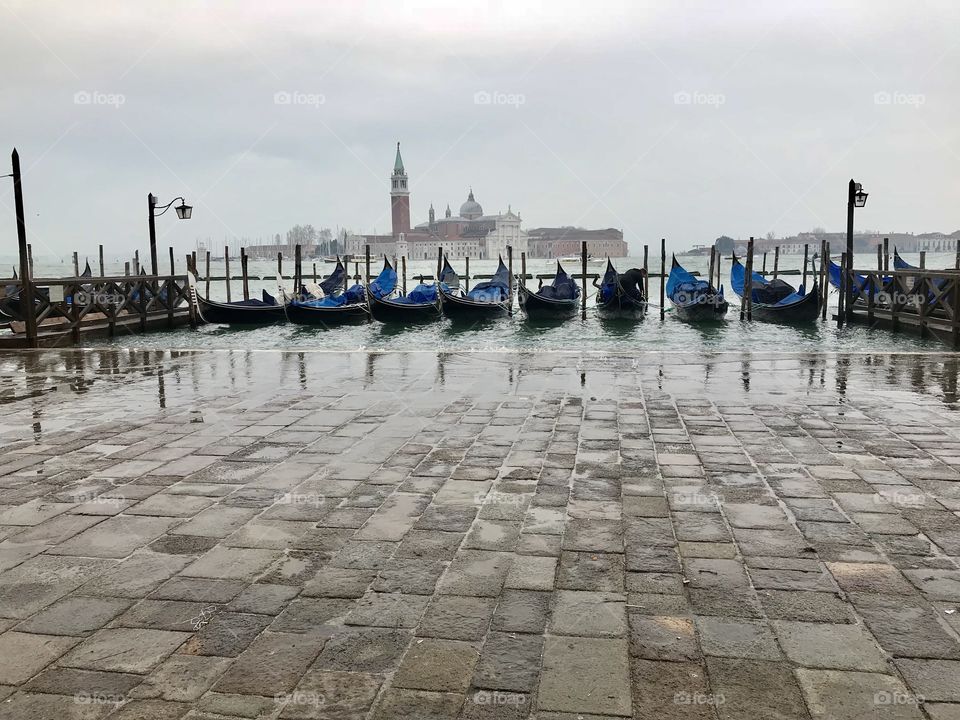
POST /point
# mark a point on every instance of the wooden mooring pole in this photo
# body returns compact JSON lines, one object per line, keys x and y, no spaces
{"x":583,"y":280}
{"x":806,"y":255}
{"x":26,"y":260}
{"x":102,"y":273}
{"x":226,"y":263}
{"x":243,"y":269}
{"x":206,"y":273}
{"x":403,"y":262}
{"x":466,"y":279}
{"x":776,"y":260}
{"x":510,"y":284}
{"x":844,"y":282}
{"x":367,"y":262}
{"x":523,"y":269}
{"x":825,"y":272}
{"x":763,"y":270}
{"x":646,"y":274}
{"x":663,"y":275}
{"x":713,"y":264}
{"x":886,"y":254}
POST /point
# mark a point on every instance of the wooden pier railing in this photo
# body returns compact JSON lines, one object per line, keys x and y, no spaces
{"x":923,"y":301}
{"x":64,"y":309}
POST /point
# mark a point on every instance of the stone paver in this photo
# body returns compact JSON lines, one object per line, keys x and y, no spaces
{"x":388,"y":540}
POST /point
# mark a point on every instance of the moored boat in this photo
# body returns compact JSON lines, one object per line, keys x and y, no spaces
{"x":693,"y":299}
{"x":560,"y":299}
{"x":487,"y":300}
{"x":775,"y":300}
{"x":621,"y":296}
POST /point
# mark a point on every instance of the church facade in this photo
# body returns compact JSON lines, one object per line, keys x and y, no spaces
{"x":470,"y":233}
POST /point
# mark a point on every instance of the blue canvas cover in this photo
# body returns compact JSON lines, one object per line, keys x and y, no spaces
{"x":333,"y":285}
{"x":681,"y":282}
{"x":563,"y":287}
{"x":448,"y":276}
{"x":353,"y":296}
{"x":385,"y":283}
{"x":496,"y":289}
{"x":763,"y":291}
{"x":421,"y":295}
{"x":608,"y":284}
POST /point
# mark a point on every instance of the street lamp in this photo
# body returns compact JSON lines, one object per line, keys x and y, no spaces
{"x":184,"y":212}
{"x":856,"y":198}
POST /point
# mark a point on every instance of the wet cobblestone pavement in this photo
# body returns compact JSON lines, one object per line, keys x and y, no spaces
{"x":414,"y":535}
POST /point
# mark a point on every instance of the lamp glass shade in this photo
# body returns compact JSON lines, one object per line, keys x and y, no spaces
{"x":184,"y":211}
{"x":860,"y":198}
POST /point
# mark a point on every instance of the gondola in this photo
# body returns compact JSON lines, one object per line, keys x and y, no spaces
{"x":241,"y":312}
{"x":418,"y":306}
{"x":560,"y":299}
{"x":775,"y":300}
{"x":346,"y":308}
{"x":487,"y":300}
{"x":621,"y":296}
{"x":694,"y":300}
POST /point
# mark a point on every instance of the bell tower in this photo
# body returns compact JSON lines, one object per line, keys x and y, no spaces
{"x":399,"y":197}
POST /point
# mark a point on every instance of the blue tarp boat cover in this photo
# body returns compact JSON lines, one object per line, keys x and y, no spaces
{"x":563,"y":287}
{"x":494,"y":290}
{"x":420,"y":295}
{"x":683,"y":283}
{"x":763,"y":291}
{"x":385,"y":283}
{"x":353,"y":296}
{"x":333,"y":285}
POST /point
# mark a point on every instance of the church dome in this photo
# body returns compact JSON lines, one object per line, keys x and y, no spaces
{"x":471,"y":208}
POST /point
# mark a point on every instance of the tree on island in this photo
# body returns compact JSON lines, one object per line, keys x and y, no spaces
{"x":725,"y":244}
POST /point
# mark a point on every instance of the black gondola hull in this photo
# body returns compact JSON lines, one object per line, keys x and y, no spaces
{"x":227,"y":314}
{"x":622,"y":306}
{"x":355,"y":314}
{"x":802,"y":311}
{"x":459,"y":308}
{"x":536,"y":307}
{"x":708,"y":310}
{"x":386,"y":311}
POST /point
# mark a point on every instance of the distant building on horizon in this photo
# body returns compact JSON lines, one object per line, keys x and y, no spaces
{"x":473,"y":233}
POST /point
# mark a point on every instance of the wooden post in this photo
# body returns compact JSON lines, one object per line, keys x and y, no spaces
{"x":844,"y":283}
{"x":646,"y":274}
{"x":583,"y":280}
{"x":523,"y":269}
{"x":367,"y":261}
{"x":136,"y":262}
{"x":126,"y":268}
{"x":314,"y":272}
{"x":297,"y":270}
{"x":102,"y":273}
{"x":806,"y":251}
{"x":955,"y":322}
{"x":357,"y":277}
{"x":403,"y":261}
{"x":663,"y":275}
{"x":746,"y":303}
{"x":825,"y":267}
{"x":466,"y":278}
{"x":886,"y":254}
{"x":206,"y":274}
{"x":713,"y":264}
{"x":243,"y":268}
{"x":763,"y":271}
{"x":510,"y":273}
{"x":226,"y":262}
{"x":169,"y":283}
{"x":719,"y":260}
{"x":76,"y":265}
{"x":439,"y":261}
{"x":956,"y":262}
{"x":26,"y":258}
{"x":173,"y":267}
{"x":923,"y":259}
{"x":776,"y":261}
{"x":280,"y":267}
{"x":191,"y":309}
{"x":879,"y":258}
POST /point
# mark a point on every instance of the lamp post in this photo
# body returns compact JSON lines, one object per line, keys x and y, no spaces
{"x":184,"y":212}
{"x":856,"y":197}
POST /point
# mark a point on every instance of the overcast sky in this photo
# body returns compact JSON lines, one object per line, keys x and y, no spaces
{"x":690,"y":122}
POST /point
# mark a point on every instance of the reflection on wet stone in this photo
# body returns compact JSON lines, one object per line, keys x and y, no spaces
{"x":539,"y":534}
